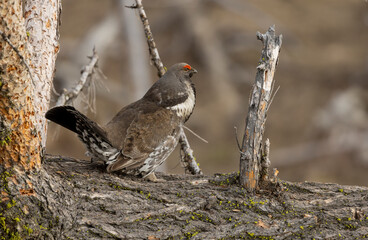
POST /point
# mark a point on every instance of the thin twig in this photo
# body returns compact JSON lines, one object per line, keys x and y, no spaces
{"x":273,"y":96}
{"x":68,"y":96}
{"x":132,"y":6}
{"x":188,"y":158}
{"x":237,"y":139}
{"x":195,"y":134}
{"x":6,"y":39}
{"x":54,"y":90}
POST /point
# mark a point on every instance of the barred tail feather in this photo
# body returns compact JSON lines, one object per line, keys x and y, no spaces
{"x":64,"y":116}
{"x":89,"y":132}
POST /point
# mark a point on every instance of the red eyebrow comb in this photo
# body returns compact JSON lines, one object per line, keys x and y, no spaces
{"x":187,"y":67}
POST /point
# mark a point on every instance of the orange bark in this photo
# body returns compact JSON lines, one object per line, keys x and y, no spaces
{"x":19,"y":142}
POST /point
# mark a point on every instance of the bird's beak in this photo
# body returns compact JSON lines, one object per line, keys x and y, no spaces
{"x":191,"y":72}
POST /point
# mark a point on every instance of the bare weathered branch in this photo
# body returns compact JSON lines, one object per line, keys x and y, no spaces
{"x":187,"y":157}
{"x":67,"y":96}
{"x":155,"y":57}
{"x":251,"y":153}
{"x":190,"y":162}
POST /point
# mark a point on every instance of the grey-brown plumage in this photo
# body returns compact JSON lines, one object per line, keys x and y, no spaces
{"x":143,"y":134}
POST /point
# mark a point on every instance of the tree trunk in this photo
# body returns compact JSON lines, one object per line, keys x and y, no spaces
{"x":20,"y":140}
{"x":79,"y":200}
{"x":41,"y":19}
{"x":29,"y":47}
{"x":26,"y":70}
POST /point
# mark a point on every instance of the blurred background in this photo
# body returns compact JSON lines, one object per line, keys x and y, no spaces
{"x":318,"y":121}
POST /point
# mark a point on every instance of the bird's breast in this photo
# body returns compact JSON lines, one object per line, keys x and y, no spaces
{"x":185,"y":109}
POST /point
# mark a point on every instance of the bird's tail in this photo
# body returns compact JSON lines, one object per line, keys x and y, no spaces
{"x":88,"y":131}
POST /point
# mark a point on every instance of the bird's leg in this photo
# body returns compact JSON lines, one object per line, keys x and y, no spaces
{"x":152,"y":177}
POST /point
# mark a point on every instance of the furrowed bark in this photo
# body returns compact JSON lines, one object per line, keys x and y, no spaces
{"x":251,"y":152}
{"x":189,"y":160}
{"x":74,"y":199}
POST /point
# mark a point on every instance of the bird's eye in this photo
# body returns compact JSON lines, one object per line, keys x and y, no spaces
{"x":187,"y":67}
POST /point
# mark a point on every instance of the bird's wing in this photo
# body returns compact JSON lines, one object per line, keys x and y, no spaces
{"x":149,"y":131}
{"x":165,"y":98}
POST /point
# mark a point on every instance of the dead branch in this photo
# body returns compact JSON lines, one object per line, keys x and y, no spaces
{"x":155,"y":57}
{"x":187,"y":157}
{"x":67,"y":96}
{"x":189,"y":160}
{"x":251,"y":152}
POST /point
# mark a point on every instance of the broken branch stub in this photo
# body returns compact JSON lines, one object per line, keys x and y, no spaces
{"x":251,"y":148}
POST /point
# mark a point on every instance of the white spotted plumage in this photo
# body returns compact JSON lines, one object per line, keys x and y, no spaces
{"x":96,"y":146}
{"x":158,"y":156}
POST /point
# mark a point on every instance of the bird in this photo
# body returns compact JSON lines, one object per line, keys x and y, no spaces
{"x":141,"y":136}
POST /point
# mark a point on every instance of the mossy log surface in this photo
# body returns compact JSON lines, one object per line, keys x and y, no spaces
{"x":74,"y":199}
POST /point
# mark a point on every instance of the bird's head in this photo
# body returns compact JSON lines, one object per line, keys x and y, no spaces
{"x":174,"y":87}
{"x":182,"y":70}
